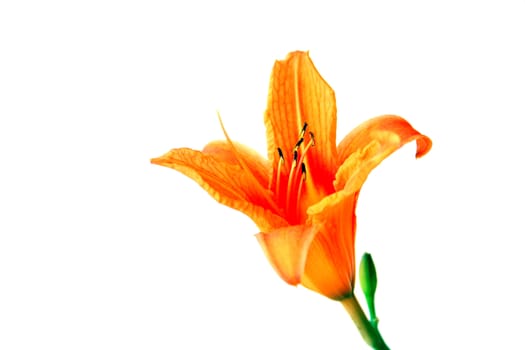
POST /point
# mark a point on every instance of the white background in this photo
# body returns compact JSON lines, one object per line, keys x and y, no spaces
{"x":99,"y":249}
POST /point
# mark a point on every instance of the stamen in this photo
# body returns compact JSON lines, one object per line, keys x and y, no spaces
{"x":303,"y":130}
{"x":291,"y":201}
{"x":310,"y":143}
{"x":279,"y":166}
{"x":300,"y":189}
{"x":280,"y":151}
{"x":291,"y":177}
{"x":298,"y":144}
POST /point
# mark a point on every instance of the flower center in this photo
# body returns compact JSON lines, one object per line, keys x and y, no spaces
{"x":290,"y":197}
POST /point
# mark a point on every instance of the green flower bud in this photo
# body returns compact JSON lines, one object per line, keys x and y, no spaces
{"x":367,"y":276}
{"x":368,"y":280}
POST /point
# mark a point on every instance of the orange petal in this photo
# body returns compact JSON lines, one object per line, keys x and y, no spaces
{"x":257,"y":165}
{"x":226,"y":182}
{"x":358,"y":165}
{"x":286,"y":248}
{"x":298,"y":94}
{"x":371,"y":142}
{"x":392,"y":131}
{"x":330,"y":266}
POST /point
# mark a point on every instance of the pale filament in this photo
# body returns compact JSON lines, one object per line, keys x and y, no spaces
{"x":278,"y":180}
{"x":302,"y":179}
{"x":291,"y":178}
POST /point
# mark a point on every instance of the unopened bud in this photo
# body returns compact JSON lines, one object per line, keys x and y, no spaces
{"x":368,"y":280}
{"x":368,"y":276}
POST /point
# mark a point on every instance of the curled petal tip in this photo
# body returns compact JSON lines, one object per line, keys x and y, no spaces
{"x":424,"y":144}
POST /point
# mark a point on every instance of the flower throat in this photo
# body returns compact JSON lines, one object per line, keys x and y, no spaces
{"x":291,"y":197}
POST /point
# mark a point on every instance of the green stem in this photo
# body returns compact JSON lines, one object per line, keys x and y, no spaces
{"x":369,"y":333}
{"x":372,"y":312}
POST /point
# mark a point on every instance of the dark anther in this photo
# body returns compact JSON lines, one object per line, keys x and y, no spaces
{"x":298,"y":144}
{"x":312,"y":137}
{"x":305,"y":125}
{"x":295,"y":156}
{"x":303,"y":170}
{"x":303,"y":130}
{"x":280,"y":151}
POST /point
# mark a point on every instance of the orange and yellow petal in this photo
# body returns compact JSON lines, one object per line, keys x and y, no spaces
{"x":257,"y":165}
{"x":391,"y":131}
{"x":330,"y":265}
{"x":299,"y":94}
{"x":369,"y":144}
{"x":227,"y":183}
{"x":286,"y":249}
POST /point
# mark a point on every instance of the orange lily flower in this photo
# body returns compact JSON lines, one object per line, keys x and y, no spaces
{"x":303,"y":197}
